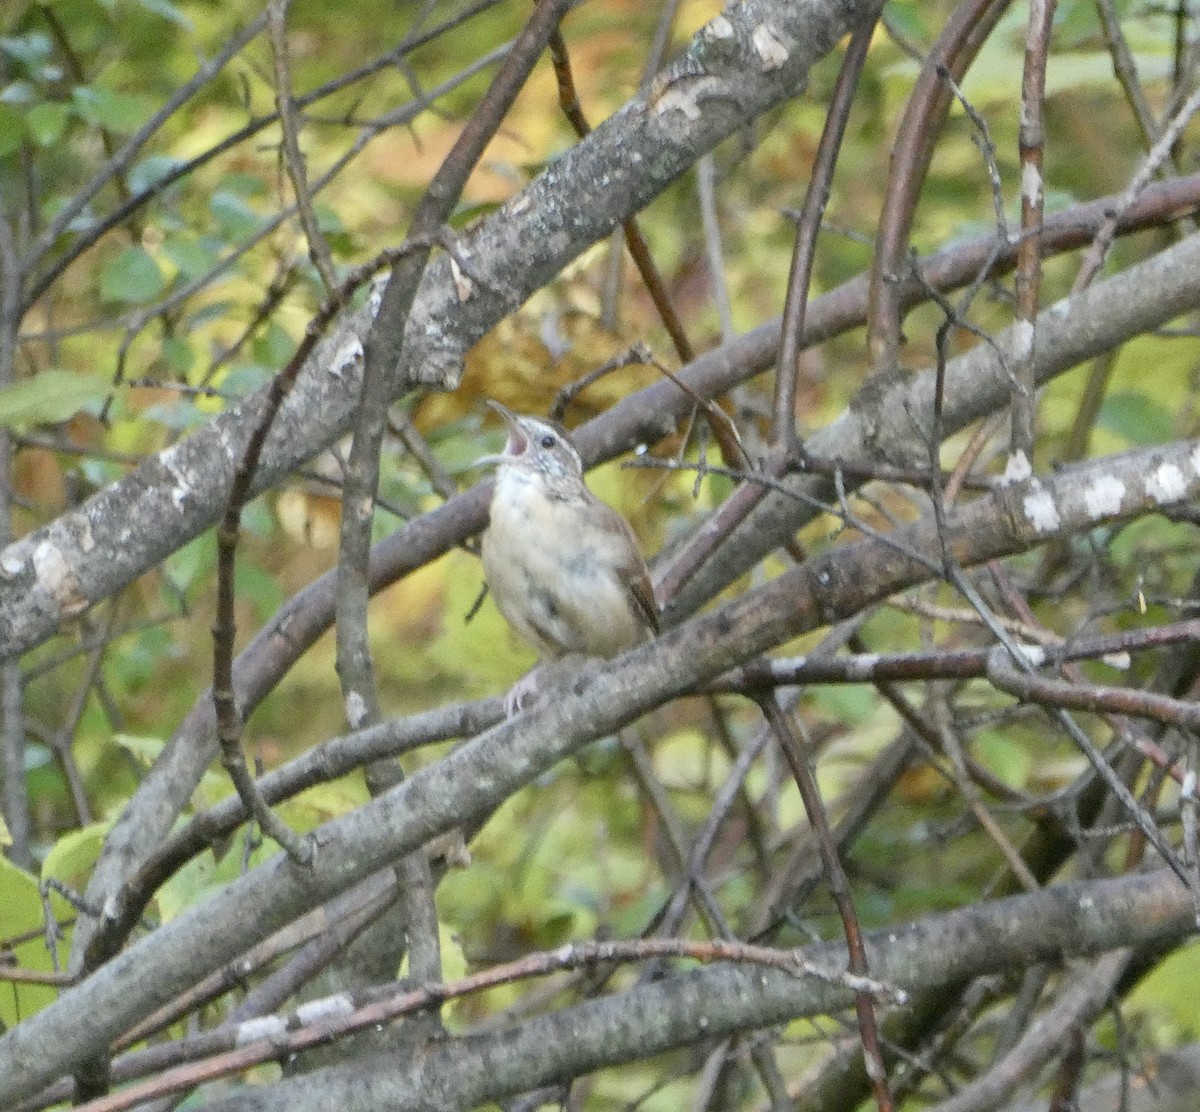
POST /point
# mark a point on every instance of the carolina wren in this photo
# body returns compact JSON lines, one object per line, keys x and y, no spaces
{"x":563,"y":567}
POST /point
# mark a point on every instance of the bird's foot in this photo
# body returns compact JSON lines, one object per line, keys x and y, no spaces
{"x":522,"y":692}
{"x":450,"y":847}
{"x":545,"y":674}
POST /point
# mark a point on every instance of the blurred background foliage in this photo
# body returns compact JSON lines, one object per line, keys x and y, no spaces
{"x":199,"y":295}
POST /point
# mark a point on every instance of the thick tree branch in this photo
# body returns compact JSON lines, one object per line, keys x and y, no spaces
{"x":472,"y":781}
{"x":725,"y":80}
{"x":892,"y":424}
{"x":1136,"y":299}
{"x":938,"y":951}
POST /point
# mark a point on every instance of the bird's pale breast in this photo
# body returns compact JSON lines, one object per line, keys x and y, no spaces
{"x":549,"y":567}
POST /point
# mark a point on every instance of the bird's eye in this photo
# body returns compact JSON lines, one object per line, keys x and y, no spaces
{"x":547,"y":441}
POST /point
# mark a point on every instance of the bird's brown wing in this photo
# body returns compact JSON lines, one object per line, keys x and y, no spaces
{"x":642,"y":592}
{"x":633,"y":572}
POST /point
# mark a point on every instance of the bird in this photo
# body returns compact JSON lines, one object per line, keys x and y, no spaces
{"x":562,"y":566}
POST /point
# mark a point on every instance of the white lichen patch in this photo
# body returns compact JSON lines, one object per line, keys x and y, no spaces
{"x":1166,"y":484}
{"x":1031,"y":184}
{"x":169,"y":458}
{"x":331,"y":1007}
{"x":228,"y":445}
{"x":57,"y":578}
{"x":463,"y":285}
{"x":1034,"y":655}
{"x":769,"y":48}
{"x":1103,"y":497}
{"x":719,"y":28}
{"x":862,"y":666}
{"x":347,"y":355}
{"x":681,"y":97}
{"x":1196,"y":459}
{"x":375,"y":299}
{"x":1017,"y":470}
{"x":1022,"y":339}
{"x":1041,"y":511}
{"x":263,"y":1027}
{"x":11,"y":565}
{"x":356,"y":709}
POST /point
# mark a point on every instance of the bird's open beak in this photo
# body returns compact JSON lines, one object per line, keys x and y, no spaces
{"x":517,"y":440}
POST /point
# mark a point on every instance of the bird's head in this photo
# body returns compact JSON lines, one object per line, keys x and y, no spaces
{"x":541,"y":447}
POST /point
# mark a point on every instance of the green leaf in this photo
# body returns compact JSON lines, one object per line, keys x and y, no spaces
{"x":32,"y":50}
{"x":192,"y":257}
{"x":188,"y":886}
{"x":328,"y":219}
{"x":1138,"y":418}
{"x":254,"y":585}
{"x":150,"y":171}
{"x":202,"y":877}
{"x":244,"y":185}
{"x":51,"y":396}
{"x":72,"y":858}
{"x":214,"y":310}
{"x":236,"y":218}
{"x":132,"y":277}
{"x":323,"y":802}
{"x":12,"y":129}
{"x":37,"y":756}
{"x":178,"y":355}
{"x":1076,"y":24}
{"x":168,"y":11}
{"x":1167,"y":995}
{"x":81,"y":222}
{"x":47,"y":122}
{"x":20,"y":93}
{"x":906,"y":18}
{"x":119,"y":112}
{"x":181,"y":415}
{"x":849,"y":703}
{"x":144,"y":749}
{"x":21,"y":914}
{"x":244,"y":379}
{"x":186,"y":565}
{"x":1005,"y":756}
{"x":274,"y":345}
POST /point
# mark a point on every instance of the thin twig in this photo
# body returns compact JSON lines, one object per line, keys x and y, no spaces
{"x":1031,"y":141}
{"x":280,"y":1038}
{"x":12,"y":723}
{"x":839,"y":885}
{"x":639,"y":249}
{"x":787,"y":368}
{"x":382,"y":353}
{"x":229,"y":720}
{"x":964,"y":34}
{"x":293,"y":157}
